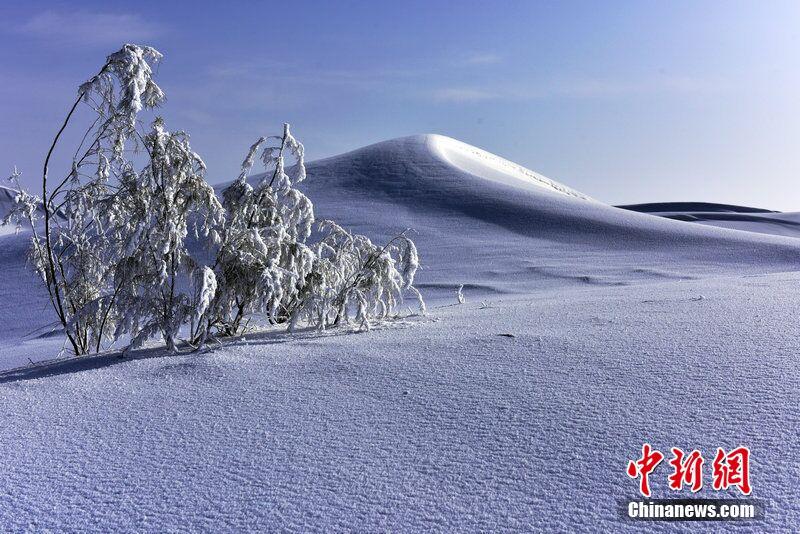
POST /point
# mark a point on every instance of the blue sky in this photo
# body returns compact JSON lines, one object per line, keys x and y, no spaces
{"x":626,"y":101}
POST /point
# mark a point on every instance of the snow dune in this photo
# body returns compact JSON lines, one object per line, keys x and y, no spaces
{"x":506,"y":233}
{"x":587,"y":330}
{"x":726,"y":216}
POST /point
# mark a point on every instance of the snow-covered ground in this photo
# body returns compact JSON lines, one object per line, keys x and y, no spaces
{"x":587,"y":330}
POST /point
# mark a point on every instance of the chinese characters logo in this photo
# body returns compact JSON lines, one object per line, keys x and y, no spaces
{"x":731,"y":469}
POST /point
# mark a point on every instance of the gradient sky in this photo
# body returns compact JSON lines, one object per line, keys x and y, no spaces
{"x":625,"y":101}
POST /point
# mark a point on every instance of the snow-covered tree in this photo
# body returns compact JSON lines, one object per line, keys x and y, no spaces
{"x":263,"y":259}
{"x":70,"y":245}
{"x":161,"y":287}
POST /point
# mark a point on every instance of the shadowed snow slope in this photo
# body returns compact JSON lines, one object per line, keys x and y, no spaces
{"x":7,"y":196}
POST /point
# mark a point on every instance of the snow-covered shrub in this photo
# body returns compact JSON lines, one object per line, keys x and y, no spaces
{"x":161,"y":287}
{"x":263,"y":259}
{"x":71,"y":249}
{"x":267,"y":264}
{"x":353,"y":278}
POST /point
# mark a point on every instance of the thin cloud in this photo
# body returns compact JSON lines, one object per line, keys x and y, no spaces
{"x":578,"y":89}
{"x":197,"y":116}
{"x":459,"y":95}
{"x":271,"y":72}
{"x":609,"y":88}
{"x":89,"y":29}
{"x":482,"y":59}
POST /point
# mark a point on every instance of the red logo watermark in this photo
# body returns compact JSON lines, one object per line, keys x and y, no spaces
{"x":731,"y":469}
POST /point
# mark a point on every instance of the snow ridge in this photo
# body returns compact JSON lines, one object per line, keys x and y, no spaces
{"x":481,"y":163}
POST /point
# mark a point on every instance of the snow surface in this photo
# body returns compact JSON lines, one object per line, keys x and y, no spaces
{"x":624,"y":327}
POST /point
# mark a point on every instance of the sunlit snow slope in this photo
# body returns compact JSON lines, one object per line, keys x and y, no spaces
{"x":478,"y":162}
